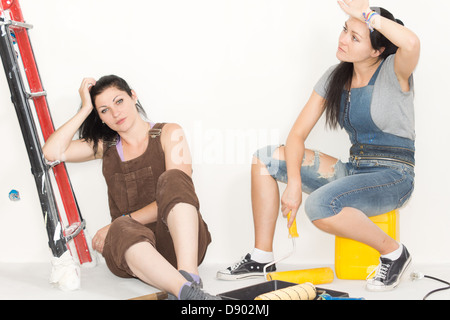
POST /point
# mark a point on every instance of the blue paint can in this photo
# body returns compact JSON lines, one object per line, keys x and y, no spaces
{"x":14,"y":195}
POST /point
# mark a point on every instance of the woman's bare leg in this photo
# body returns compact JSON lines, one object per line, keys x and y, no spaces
{"x":266,"y":195}
{"x":183,"y":226}
{"x":353,"y":224}
{"x":147,"y":264}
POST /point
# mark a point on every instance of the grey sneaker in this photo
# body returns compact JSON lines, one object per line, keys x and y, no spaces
{"x":194,"y":284}
{"x":189,"y":278}
{"x":193,"y":292}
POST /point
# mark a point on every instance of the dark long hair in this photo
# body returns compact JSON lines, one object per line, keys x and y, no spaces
{"x":342,"y":75}
{"x":93,"y":129}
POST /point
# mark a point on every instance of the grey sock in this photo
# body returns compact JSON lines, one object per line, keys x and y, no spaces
{"x":192,"y":278}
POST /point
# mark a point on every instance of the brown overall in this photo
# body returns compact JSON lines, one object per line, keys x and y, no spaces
{"x":135,"y":184}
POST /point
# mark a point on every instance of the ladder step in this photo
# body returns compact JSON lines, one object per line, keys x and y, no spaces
{"x":50,"y":165}
{"x":73,"y":230}
{"x":16,"y":24}
{"x":36,"y":94}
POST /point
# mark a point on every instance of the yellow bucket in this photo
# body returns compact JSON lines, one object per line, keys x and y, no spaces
{"x":354,"y":260}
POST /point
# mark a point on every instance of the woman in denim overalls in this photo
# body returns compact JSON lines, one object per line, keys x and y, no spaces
{"x":379,"y":176}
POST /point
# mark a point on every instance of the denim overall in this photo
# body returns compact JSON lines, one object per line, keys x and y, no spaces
{"x":368,"y":141}
{"x":379,"y":176}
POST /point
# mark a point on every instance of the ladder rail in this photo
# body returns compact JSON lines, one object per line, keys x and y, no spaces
{"x":38,"y":95}
{"x":57,"y":243}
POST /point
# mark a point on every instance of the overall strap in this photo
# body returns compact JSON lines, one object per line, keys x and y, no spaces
{"x":375,"y":75}
{"x":156,"y":130}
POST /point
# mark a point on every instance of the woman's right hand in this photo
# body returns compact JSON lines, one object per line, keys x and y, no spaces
{"x":61,"y":145}
{"x":291,"y":201}
{"x":85,"y":88}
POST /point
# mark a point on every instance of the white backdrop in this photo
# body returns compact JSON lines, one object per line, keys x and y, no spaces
{"x":235,"y":74}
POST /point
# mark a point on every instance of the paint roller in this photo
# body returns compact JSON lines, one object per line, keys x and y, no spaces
{"x":305,"y":291}
{"x":315,"y":276}
{"x":292,"y":234}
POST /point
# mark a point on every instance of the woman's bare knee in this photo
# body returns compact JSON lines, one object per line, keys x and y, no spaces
{"x":323,"y":224}
{"x":259,"y":168}
{"x":279,"y":153}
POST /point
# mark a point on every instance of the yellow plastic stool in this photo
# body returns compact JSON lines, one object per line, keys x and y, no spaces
{"x":354,"y":260}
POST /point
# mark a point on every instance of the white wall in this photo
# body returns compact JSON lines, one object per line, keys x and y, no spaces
{"x":235,"y":74}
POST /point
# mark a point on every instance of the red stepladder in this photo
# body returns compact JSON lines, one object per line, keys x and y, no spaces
{"x":13,"y":26}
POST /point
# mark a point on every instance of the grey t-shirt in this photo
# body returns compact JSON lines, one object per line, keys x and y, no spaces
{"x":392,"y":109}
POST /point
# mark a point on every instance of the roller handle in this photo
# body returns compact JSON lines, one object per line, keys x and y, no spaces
{"x":293,"y":228}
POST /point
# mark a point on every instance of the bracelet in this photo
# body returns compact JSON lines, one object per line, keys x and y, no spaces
{"x":368,"y":17}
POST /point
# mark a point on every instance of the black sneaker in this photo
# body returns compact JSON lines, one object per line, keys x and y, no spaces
{"x":389,"y":272}
{"x":245,"y":269}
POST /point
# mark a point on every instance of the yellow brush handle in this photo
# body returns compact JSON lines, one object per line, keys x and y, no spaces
{"x":293,"y":228}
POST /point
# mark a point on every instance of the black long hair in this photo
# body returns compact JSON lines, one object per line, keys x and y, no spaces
{"x":342,"y":75}
{"x":93,"y":129}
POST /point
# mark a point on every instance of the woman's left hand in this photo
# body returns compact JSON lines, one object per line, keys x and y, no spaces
{"x":355,"y":8}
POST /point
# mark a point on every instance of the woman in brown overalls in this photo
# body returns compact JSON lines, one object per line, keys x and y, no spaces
{"x":157,"y":233}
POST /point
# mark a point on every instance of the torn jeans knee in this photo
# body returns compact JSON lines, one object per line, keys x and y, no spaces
{"x":312,"y":176}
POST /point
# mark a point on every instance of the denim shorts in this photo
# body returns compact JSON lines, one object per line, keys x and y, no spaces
{"x":371,"y":186}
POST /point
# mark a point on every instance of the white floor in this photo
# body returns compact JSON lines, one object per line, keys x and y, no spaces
{"x":30,"y":282}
